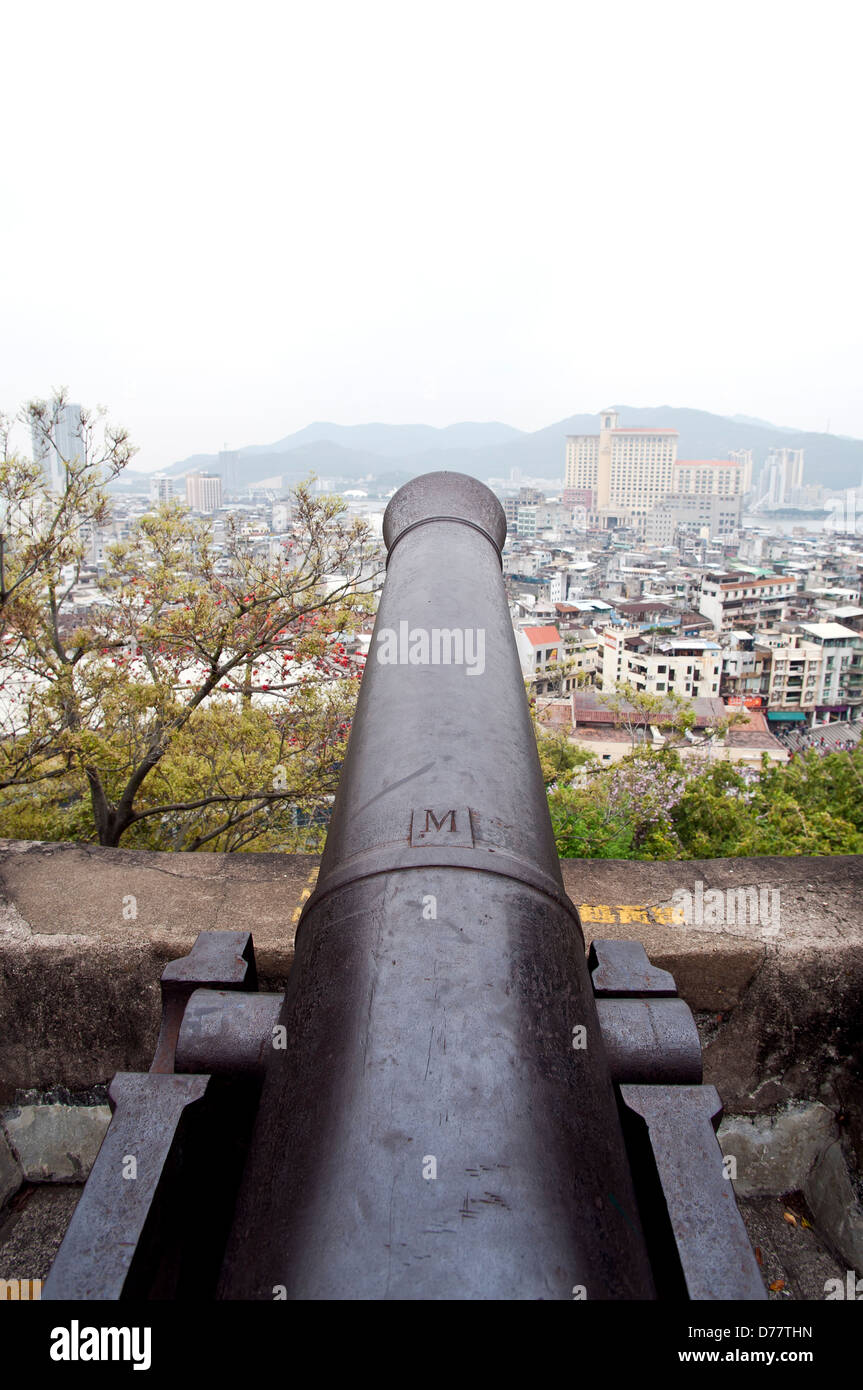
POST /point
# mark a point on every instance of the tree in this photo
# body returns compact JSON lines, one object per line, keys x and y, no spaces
{"x":654,"y":804}
{"x":555,"y":675}
{"x":672,"y":714}
{"x":558,"y":755}
{"x":205,"y":700}
{"x":41,"y":529}
{"x":813,"y":805}
{"x":624,"y":811}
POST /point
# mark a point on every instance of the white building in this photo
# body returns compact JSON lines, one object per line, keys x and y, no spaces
{"x":736,"y":600}
{"x":203,"y":492}
{"x":702,"y":514}
{"x":627,"y":471}
{"x":538,"y":647}
{"x":708,"y":477}
{"x":744,"y":458}
{"x":688,"y":666}
{"x":840,"y":691}
{"x":161,"y":488}
{"x":781,"y":478}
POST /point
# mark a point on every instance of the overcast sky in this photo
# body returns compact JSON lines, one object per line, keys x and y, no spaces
{"x":227,"y":220}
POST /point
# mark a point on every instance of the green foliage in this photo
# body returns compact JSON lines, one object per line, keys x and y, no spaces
{"x":620,"y":812}
{"x":204,"y":702}
{"x":657,"y":805}
{"x":813,"y":805}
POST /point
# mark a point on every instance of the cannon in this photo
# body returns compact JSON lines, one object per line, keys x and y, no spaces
{"x":453,"y":1099}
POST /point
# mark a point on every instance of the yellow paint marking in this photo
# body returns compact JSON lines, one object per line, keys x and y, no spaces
{"x":304,"y":896}
{"x":623,"y":913}
{"x":593,"y":913}
{"x":669,"y":914}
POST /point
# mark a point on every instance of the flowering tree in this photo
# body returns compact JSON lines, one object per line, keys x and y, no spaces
{"x":622,"y":812}
{"x":656,"y":805}
{"x":204,"y":701}
{"x":41,"y":528}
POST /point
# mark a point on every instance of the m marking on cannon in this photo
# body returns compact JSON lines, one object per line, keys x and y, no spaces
{"x":451,"y":827}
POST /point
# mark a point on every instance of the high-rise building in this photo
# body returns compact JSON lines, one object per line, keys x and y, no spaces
{"x":744,"y":458}
{"x":161,"y":488}
{"x":690,"y":512}
{"x":706,"y":477}
{"x":229,"y":466}
{"x":781,"y":478}
{"x":203,"y":492}
{"x":791,"y":463}
{"x":59,"y":444}
{"x":627,"y":470}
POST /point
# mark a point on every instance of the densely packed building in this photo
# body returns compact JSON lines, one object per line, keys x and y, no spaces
{"x":646,"y":573}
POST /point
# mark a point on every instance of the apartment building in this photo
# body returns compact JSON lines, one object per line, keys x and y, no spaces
{"x":743,"y":457}
{"x":693,"y":512}
{"x":840,"y":689}
{"x":708,"y":477}
{"x":59,"y":444}
{"x":582,"y":651}
{"x":538,"y":648}
{"x":161,"y":488}
{"x":204,"y":492}
{"x":732,"y":600}
{"x":690,"y":666}
{"x":794,"y":677}
{"x":781,"y":478}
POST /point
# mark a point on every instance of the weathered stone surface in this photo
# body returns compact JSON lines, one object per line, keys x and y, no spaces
{"x":10,"y":1171}
{"x":30,"y":1236}
{"x":79,"y":980}
{"x":793,"y":1258}
{"x":834,"y":1203}
{"x":55,"y":1143}
{"x":788,"y":1000}
{"x":776,"y":1153}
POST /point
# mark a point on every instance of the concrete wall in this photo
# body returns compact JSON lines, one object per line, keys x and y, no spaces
{"x":85,"y":933}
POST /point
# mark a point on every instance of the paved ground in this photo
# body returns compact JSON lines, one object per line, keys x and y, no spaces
{"x":32,"y":1227}
{"x":826,"y":739}
{"x":795,"y":1263}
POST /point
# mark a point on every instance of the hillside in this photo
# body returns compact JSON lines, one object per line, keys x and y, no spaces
{"x":351,"y":452}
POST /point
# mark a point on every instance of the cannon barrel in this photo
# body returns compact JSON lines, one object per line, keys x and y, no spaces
{"x":451,"y":1100}
{"x":431,"y":1131}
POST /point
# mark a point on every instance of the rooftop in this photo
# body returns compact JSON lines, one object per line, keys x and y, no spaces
{"x":540,"y":636}
{"x":592,"y":707}
{"x":829,"y":631}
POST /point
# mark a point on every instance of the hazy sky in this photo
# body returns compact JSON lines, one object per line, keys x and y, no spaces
{"x":224,"y":221}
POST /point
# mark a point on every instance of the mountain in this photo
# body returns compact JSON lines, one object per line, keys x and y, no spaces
{"x":130,"y":481}
{"x":492,"y":450}
{"x":393,"y":441}
{"x":766,"y":424}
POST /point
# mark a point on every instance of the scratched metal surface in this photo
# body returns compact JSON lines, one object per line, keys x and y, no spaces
{"x":448,"y":1037}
